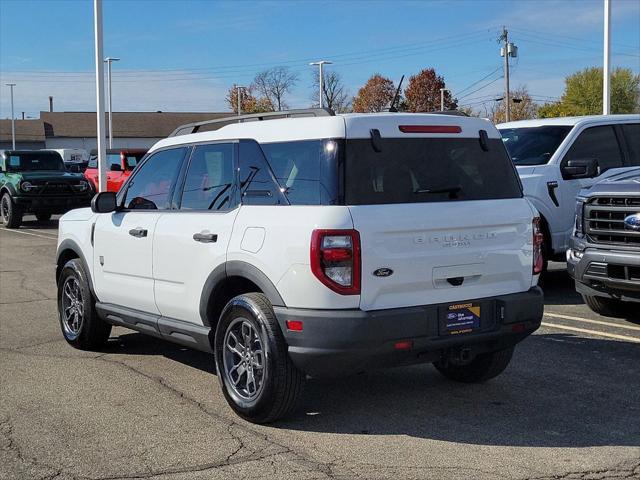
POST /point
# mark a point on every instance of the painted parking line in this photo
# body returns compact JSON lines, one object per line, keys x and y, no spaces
{"x":593,"y":332}
{"x":28,"y":233}
{"x":595,"y":322}
{"x":40,"y":232}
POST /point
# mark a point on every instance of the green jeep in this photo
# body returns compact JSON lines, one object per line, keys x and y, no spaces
{"x":35,"y":181}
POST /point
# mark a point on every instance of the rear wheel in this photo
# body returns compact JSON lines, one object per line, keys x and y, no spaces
{"x":79,"y":321}
{"x":605,"y":306}
{"x":10,"y":212}
{"x":482,"y":368}
{"x":257,"y":377}
{"x":43,"y":217}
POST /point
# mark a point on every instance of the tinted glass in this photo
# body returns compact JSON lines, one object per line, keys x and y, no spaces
{"x":533,"y":145}
{"x":151,"y":186}
{"x":307,"y":171}
{"x":209,"y":182}
{"x":257,"y":184}
{"x":632,"y":136}
{"x":599,"y":143}
{"x":34,"y":161}
{"x":427,"y":170}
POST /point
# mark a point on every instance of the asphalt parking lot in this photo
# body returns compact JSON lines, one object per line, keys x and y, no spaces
{"x":567,"y":407}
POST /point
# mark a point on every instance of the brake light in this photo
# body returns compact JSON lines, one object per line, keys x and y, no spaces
{"x":538,"y":240}
{"x":335,"y":259}
{"x":430,"y":129}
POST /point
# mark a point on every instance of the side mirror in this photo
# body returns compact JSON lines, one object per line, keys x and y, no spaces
{"x":104,"y":202}
{"x":115,"y":167}
{"x":583,"y":168}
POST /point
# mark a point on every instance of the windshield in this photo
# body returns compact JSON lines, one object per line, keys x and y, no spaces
{"x":34,"y":161}
{"x":418,"y":170}
{"x":132,"y":160}
{"x":533,"y":145}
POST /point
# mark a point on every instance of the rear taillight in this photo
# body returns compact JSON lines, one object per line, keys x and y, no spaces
{"x":335,"y":259}
{"x":538,"y":240}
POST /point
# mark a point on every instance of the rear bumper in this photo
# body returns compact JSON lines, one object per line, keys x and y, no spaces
{"x":342,"y":342}
{"x":606,"y":273}
{"x":57,"y":204}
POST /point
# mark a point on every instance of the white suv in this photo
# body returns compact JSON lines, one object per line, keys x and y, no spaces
{"x":557,"y":157}
{"x":312,"y":246}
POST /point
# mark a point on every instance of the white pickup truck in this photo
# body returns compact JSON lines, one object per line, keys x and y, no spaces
{"x":557,"y":157}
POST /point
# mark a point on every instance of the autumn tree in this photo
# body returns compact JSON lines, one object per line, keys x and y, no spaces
{"x":423,"y":93}
{"x":375,"y":95}
{"x":274,"y":85}
{"x":583,"y":93}
{"x":334,"y":93}
{"x":522,"y":107}
{"x":249,"y":103}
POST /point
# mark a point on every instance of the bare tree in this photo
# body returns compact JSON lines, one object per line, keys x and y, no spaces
{"x":334,"y":93}
{"x":274,"y":84}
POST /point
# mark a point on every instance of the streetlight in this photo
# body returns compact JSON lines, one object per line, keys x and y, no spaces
{"x":13,"y":118}
{"x":442,"y":90}
{"x":239,"y":95}
{"x":102,"y":154}
{"x":109,"y":61}
{"x":320,"y":78}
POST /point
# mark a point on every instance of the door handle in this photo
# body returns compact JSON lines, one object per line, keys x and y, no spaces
{"x":205,"y":237}
{"x":138,"y":232}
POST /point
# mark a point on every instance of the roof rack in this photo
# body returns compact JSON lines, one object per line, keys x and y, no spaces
{"x":253,"y":117}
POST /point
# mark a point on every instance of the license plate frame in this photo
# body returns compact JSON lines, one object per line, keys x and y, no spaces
{"x":461,"y":318}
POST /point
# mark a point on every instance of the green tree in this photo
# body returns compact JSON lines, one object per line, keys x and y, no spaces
{"x":583,"y":93}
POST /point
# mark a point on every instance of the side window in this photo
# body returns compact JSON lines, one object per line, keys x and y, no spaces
{"x":209,"y":184}
{"x":599,"y":143}
{"x":632,"y":136}
{"x":151,"y":186}
{"x":257,"y":184}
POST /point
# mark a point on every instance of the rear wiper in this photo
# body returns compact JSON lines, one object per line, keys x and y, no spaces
{"x":452,"y":189}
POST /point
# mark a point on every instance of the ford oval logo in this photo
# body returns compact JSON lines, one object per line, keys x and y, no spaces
{"x":383,"y":272}
{"x":632,"y":221}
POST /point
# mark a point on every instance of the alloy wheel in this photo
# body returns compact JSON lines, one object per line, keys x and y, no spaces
{"x":72,"y":307}
{"x":243,"y":359}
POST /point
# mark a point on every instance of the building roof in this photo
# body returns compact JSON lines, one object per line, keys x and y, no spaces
{"x":570,"y":121}
{"x":26,"y":131}
{"x":125,"y":124}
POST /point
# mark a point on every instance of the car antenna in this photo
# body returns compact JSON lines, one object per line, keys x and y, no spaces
{"x":392,"y":108}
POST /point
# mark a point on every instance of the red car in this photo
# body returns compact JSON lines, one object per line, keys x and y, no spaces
{"x":120,"y":164}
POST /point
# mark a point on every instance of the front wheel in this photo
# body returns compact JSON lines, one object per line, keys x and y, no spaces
{"x":609,"y":307}
{"x":257,"y":377}
{"x":482,"y":368}
{"x":10,"y":212}
{"x":79,"y":321}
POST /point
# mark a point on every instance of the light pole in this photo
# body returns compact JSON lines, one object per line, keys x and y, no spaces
{"x":239,"y":95}
{"x":442,"y":90}
{"x":606,"y":67}
{"x":320,"y":76}
{"x":102,"y":154}
{"x":109,"y":61}
{"x":13,"y":118}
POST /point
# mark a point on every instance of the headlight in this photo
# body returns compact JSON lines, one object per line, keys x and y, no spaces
{"x":579,"y":226}
{"x":26,"y":186}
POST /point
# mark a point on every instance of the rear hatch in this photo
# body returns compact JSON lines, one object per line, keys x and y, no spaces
{"x":441,"y":215}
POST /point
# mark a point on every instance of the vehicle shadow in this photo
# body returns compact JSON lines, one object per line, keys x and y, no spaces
{"x":559,"y":287}
{"x":559,"y":391}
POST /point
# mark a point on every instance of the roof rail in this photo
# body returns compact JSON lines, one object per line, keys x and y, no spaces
{"x":252,"y":117}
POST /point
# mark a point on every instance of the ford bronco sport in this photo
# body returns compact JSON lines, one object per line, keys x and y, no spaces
{"x":36,"y":181}
{"x":317,"y":245}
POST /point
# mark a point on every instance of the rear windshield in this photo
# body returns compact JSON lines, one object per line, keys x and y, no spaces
{"x":415,"y":170}
{"x":132,"y":160}
{"x":533,"y":145}
{"x":34,"y":161}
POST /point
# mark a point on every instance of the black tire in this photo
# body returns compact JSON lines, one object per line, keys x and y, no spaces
{"x":10,"y":212}
{"x":43,"y":217}
{"x":90,"y":332}
{"x":482,"y":368}
{"x":277,"y":384}
{"x":609,"y":307}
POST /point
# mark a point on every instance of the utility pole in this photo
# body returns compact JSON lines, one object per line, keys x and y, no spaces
{"x":239,"y":95}
{"x":442,"y":90}
{"x":102,"y":153}
{"x":109,"y":61}
{"x":320,"y":77}
{"x":507,"y":50}
{"x":606,"y":70}
{"x":13,"y":118}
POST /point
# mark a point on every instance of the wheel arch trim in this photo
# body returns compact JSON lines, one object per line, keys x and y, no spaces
{"x":71,"y":245}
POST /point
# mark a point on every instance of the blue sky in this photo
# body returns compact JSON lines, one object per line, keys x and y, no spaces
{"x":184,"y":55}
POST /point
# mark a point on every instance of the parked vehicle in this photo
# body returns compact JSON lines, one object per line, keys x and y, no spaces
{"x":120,"y":164}
{"x":604,"y":252}
{"x":75,"y":159}
{"x":36,"y":181}
{"x":557,"y":157}
{"x":316,"y":245}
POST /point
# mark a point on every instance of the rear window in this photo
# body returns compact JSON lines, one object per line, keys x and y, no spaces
{"x":415,"y":170}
